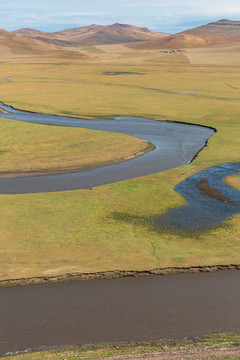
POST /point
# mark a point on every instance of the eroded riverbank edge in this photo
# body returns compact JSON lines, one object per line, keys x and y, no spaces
{"x":166,"y":349}
{"x":115,"y":274}
{"x":71,"y":169}
{"x":5,"y":109}
{"x":76,"y":169}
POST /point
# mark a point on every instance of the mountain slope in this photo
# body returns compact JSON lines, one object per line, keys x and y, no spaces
{"x":217,"y":33}
{"x":13,"y":47}
{"x":93,"y":35}
{"x":32,"y":33}
{"x":222,"y":27}
{"x":20,"y":44}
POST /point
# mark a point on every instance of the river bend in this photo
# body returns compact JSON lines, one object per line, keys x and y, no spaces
{"x":176,"y":144}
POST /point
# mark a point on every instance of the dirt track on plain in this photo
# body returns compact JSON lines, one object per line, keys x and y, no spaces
{"x":198,"y":353}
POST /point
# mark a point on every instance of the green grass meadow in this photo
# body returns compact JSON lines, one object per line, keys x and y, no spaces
{"x":27,"y":146}
{"x":110,"y":227}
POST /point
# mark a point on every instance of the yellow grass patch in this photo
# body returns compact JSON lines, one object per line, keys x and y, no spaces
{"x":34,"y":147}
{"x":110,"y":227}
{"x":234,"y":181}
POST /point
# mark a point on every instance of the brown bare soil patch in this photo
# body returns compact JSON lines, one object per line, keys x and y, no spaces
{"x":78,"y":276}
{"x":207,"y":190}
{"x":198,"y":353}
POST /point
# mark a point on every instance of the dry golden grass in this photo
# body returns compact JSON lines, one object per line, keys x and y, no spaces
{"x":234,"y":181}
{"x":39,"y":147}
{"x":110,"y":227}
{"x":126,"y":54}
{"x":215,"y":55}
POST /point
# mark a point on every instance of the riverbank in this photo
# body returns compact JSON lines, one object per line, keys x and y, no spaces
{"x":43,"y":150}
{"x":76,"y":169}
{"x":116,"y":274}
{"x":212,"y":347}
{"x":174,"y":143}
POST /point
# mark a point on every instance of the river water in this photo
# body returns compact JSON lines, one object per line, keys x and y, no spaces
{"x":129,"y":309}
{"x":176,"y":144}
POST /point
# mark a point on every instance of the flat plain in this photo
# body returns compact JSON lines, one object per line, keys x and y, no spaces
{"x":113,"y":227}
{"x":110,"y":227}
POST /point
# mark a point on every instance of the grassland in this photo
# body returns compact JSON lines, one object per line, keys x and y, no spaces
{"x":110,"y":227}
{"x":43,"y":147}
{"x":234,"y":181}
{"x":206,"y":348}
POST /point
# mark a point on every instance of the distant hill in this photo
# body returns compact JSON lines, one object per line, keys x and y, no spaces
{"x":20,"y":44}
{"x":222,"y":27}
{"x":4,"y":34}
{"x":12,"y":44}
{"x":32,"y":33}
{"x":216,"y":33}
{"x":67,"y":42}
{"x":93,"y":35}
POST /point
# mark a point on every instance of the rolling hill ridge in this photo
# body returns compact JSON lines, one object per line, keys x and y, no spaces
{"x":93,"y":35}
{"x":216,"y":33}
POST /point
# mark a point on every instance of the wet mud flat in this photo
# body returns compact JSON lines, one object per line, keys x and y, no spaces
{"x":129,"y":309}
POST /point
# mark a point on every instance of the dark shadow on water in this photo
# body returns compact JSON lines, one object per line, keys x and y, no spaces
{"x":208,"y":205}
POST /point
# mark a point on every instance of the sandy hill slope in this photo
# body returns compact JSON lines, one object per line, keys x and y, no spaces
{"x":20,"y":44}
{"x":120,"y":33}
{"x":32,"y":33}
{"x":41,"y":35}
{"x":216,"y":33}
{"x":222,"y":27}
{"x":93,"y":35}
{"x":13,"y":47}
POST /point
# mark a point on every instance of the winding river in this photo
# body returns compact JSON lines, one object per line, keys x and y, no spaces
{"x":144,"y":308}
{"x":176,"y":144}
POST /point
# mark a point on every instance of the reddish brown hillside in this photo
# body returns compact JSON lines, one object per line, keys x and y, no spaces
{"x":219,"y":28}
{"x":218,"y":33}
{"x":92,"y":35}
{"x":127,"y":32}
{"x":4,"y":34}
{"x":22,"y":44}
{"x":13,"y":45}
{"x":28,"y":32}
